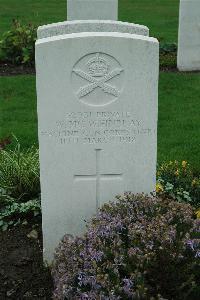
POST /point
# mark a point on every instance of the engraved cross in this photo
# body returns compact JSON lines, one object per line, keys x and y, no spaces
{"x":98,"y":176}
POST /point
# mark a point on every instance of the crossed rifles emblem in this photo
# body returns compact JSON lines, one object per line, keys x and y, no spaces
{"x":98,"y":77}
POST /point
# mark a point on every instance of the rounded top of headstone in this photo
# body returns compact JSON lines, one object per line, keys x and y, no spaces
{"x":68,"y":27}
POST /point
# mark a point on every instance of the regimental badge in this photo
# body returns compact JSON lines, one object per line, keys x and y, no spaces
{"x":101,"y":73}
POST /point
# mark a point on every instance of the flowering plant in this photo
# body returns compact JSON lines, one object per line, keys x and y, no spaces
{"x":177,"y":181}
{"x":135,"y":248}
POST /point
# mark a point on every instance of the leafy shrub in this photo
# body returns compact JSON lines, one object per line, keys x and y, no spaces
{"x":168,"y":55}
{"x":177,"y":181}
{"x":19,"y":172}
{"x":136,"y":248}
{"x":18,"y":44}
{"x":13,"y":213}
{"x":168,"y":61}
{"x":166,"y":48}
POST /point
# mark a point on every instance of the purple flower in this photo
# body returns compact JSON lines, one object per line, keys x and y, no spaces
{"x":84,"y":296}
{"x":81,"y":278}
{"x":97,"y":255}
{"x":172,"y":235}
{"x":128,"y":284}
{"x":133,"y":251}
{"x":197,"y":226}
{"x":88,"y":280}
{"x":87,"y":296}
{"x":123,"y":248}
{"x":197,"y":253}
{"x":190,"y":244}
{"x":105,"y":231}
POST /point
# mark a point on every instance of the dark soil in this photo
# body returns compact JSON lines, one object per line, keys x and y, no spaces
{"x":174,"y":69}
{"x":22,"y":273}
{"x":11,"y":70}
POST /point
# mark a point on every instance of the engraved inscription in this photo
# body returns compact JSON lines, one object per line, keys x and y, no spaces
{"x":97,"y":79}
{"x":98,"y":176}
{"x":98,"y":127}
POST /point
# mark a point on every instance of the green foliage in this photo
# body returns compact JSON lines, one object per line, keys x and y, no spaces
{"x":18,"y":44}
{"x":168,"y":55}
{"x":19,"y":172}
{"x":135,"y":248}
{"x":13,"y":212}
{"x":178,"y":181}
{"x":166,"y":48}
{"x":168,"y":61}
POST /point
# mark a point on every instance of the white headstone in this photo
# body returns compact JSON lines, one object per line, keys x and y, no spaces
{"x":68,"y":27}
{"x":97,"y":116}
{"x":92,"y":10}
{"x":189,"y":35}
{"x":89,"y":25}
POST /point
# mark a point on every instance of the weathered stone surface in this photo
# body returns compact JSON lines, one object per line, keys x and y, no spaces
{"x":189,"y":36}
{"x":92,"y":10}
{"x":97,"y":116}
{"x":90,"y":26}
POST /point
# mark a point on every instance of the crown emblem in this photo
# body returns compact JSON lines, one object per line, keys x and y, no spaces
{"x":98,"y":72}
{"x":98,"y":66}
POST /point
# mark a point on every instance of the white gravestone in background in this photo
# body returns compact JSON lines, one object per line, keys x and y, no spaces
{"x":89,"y":25}
{"x":189,"y":36}
{"x":91,"y":16}
{"x":97,"y":116}
{"x":92,"y":10}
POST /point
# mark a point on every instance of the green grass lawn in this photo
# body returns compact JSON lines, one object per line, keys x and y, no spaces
{"x":18,"y":108}
{"x":179,"y":118}
{"x":161,"y":16}
{"x":179,"y":105}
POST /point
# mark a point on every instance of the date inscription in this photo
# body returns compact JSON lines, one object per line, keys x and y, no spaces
{"x":98,"y":127}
